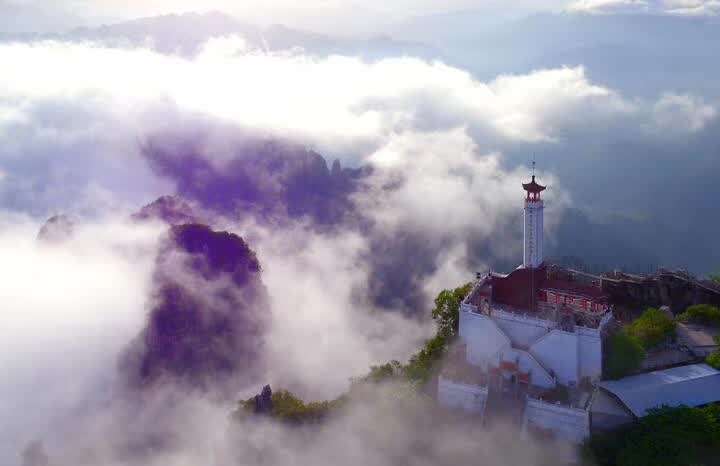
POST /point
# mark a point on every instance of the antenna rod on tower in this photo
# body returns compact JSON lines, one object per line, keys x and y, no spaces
{"x":533,"y":166}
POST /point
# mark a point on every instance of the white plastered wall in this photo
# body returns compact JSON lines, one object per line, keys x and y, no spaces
{"x":522,"y":330}
{"x":469,"y":398}
{"x":558,"y":351}
{"x":590,"y":353}
{"x":571,"y":424}
{"x":484,"y":339}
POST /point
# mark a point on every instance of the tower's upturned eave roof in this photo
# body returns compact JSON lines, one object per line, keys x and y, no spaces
{"x":533,"y":187}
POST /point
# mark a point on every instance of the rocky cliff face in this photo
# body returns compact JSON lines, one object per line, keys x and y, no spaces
{"x":169,"y":209}
{"x":56,"y":229}
{"x":263,"y":401}
{"x":272,"y":181}
{"x":208,"y":316}
{"x":265,"y":178}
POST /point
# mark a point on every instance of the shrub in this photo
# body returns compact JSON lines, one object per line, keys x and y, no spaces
{"x":665,"y":437}
{"x":289,"y":408}
{"x":714,"y":360}
{"x":418,"y":371}
{"x":447,"y":309}
{"x":624,"y":356}
{"x":652,"y":328}
{"x":388,"y":371}
{"x":701,"y":314}
{"x":422,"y":364}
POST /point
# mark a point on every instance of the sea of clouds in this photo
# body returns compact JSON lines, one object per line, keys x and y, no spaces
{"x":73,"y":119}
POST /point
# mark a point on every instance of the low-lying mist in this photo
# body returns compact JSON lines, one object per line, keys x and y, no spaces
{"x":343,"y":257}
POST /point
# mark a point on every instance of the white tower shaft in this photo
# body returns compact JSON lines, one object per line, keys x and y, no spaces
{"x":533,"y":250}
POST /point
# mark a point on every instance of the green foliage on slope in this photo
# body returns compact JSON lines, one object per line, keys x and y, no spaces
{"x":423,"y":364}
{"x":624,"y":355}
{"x":666,"y":437}
{"x":416,"y":373}
{"x":714,"y":360}
{"x":701,"y":314}
{"x":289,"y":408}
{"x":652,"y":328}
{"x":447,"y":309}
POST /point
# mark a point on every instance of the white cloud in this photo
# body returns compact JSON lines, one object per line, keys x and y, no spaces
{"x":610,"y":6}
{"x":71,"y":116}
{"x":340,"y":104}
{"x":427,"y":124}
{"x":683,"y":113}
{"x":67,"y":313}
{"x":84,"y":124}
{"x":679,"y":7}
{"x":468,"y":191}
{"x":322,"y":333}
{"x":693,"y":7}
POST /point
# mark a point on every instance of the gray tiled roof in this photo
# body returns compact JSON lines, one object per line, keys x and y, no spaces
{"x":692,"y":385}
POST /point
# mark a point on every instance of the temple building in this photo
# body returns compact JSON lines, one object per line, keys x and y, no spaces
{"x":530,"y":342}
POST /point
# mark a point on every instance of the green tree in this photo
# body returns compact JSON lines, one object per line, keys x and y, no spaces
{"x":714,"y":360}
{"x":701,"y":314}
{"x":418,"y":370}
{"x":447,"y":309}
{"x":665,"y":437}
{"x":287,"y":407}
{"x":624,"y":356}
{"x":652,"y":328}
{"x":423,"y":364}
{"x":446,"y":313}
{"x":391,"y":370}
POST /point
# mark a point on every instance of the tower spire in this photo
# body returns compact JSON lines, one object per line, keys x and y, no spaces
{"x":533,"y":251}
{"x":533,"y":166}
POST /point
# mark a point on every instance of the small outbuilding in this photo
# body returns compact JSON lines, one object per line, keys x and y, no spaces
{"x":691,"y":385}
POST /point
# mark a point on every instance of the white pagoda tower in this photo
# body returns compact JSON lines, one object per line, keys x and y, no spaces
{"x":533,"y":250}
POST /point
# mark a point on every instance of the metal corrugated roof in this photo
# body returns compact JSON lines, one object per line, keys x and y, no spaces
{"x":692,"y":385}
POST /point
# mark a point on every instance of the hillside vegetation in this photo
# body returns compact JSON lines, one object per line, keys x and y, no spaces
{"x":626,"y":348}
{"x":666,"y":437}
{"x":411,"y":376}
{"x":624,"y":356}
{"x":701,"y":314}
{"x":652,"y":328}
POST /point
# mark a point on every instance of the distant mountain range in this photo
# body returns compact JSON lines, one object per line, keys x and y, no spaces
{"x":637,"y":54}
{"x":186,"y":33}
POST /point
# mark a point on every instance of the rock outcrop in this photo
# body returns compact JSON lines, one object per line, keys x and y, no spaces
{"x":209,"y":314}
{"x":169,"y":209}
{"x":263,"y":401}
{"x":266,"y":178}
{"x":57,"y":229}
{"x":34,"y":455}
